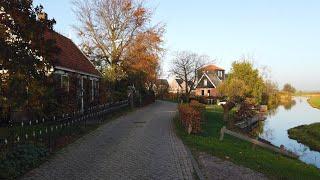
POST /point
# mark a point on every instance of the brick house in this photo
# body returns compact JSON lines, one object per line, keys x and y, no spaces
{"x":74,"y":73}
{"x":208,"y":78}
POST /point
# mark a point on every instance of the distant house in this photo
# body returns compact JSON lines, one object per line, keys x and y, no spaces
{"x":177,"y":85}
{"x":208,"y":78}
{"x":73,"y":72}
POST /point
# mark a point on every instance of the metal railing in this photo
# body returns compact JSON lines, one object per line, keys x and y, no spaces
{"x":57,"y":130}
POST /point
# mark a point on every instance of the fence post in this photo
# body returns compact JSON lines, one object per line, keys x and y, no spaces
{"x":11,"y":138}
{"x":223,"y":129}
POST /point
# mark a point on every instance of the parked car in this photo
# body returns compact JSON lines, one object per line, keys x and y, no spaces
{"x":222,"y":103}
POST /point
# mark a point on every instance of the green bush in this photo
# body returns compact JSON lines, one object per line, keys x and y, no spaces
{"x":21,"y":159}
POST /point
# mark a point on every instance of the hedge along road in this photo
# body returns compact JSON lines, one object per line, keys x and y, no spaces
{"x":139,"y":145}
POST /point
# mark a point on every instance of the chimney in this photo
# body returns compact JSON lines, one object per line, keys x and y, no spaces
{"x":42,"y":16}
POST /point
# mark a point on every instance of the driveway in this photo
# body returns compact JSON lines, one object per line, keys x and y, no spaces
{"x":139,"y":145}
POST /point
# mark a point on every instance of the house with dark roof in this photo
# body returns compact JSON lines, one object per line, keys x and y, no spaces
{"x":177,"y":85}
{"x":73,"y":72}
{"x":208,"y":79}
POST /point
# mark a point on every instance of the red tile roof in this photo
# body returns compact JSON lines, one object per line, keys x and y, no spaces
{"x":211,"y":67}
{"x":70,"y":56}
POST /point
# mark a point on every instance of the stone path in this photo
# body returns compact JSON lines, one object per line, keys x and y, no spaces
{"x":140,"y":145}
{"x":216,"y":169}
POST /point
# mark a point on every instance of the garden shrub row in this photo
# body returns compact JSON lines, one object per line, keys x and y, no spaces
{"x":21,"y":159}
{"x":190,"y":116}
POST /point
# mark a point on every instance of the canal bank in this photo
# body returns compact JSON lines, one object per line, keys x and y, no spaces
{"x":240,"y":153}
{"x":275,"y":128}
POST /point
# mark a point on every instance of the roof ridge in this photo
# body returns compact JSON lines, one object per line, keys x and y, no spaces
{"x":208,"y":65}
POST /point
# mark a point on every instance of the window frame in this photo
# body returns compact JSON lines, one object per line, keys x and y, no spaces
{"x":65,"y":82}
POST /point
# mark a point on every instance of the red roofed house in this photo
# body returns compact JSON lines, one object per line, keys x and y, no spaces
{"x":208,"y":78}
{"x":73,"y":72}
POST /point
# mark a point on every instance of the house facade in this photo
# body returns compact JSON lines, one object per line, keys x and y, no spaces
{"x":208,"y":79}
{"x":73,"y":73}
{"x":177,"y":85}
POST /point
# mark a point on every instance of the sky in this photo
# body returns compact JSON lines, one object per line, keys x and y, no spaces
{"x":280,"y":36}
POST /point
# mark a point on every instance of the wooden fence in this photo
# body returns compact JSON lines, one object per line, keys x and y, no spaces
{"x":287,"y":153}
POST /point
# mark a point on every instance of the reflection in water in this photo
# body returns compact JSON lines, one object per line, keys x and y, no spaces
{"x":272,"y":112}
{"x":287,"y":116}
{"x":288,"y":105}
{"x":258,"y":129}
{"x":269,"y":134}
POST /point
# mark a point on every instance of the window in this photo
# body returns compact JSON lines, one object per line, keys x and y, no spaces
{"x":79,"y":86}
{"x":205,"y":82}
{"x":208,"y":92}
{"x":202,"y":92}
{"x":220,"y":73}
{"x":94,"y":89}
{"x":97,"y":89}
{"x":65,"y":82}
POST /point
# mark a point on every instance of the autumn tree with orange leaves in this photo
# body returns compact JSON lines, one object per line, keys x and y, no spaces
{"x":118,"y":38}
{"x":142,"y":62}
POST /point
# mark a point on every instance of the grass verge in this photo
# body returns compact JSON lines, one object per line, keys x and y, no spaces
{"x":314,"y":101}
{"x":240,"y":152}
{"x":307,"y":134}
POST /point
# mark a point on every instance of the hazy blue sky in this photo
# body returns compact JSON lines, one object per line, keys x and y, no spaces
{"x":283,"y":35}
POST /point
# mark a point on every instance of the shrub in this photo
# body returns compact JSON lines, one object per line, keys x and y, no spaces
{"x":148,"y":98}
{"x":198,"y":106}
{"x":21,"y":159}
{"x":204,"y":99}
{"x":190,"y":118}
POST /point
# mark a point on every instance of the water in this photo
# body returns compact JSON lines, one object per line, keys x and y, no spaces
{"x":275,"y":128}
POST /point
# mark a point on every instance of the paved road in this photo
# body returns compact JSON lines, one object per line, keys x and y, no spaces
{"x":140,"y":145}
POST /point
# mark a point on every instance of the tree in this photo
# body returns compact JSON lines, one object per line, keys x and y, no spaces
{"x":271,"y":96}
{"x":107,"y":29}
{"x":25,"y":56}
{"x":142,"y":62}
{"x":185,"y":65}
{"x":289,"y":88}
{"x":243,"y":86}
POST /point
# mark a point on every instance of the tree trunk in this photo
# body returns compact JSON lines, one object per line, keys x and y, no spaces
{"x":186,"y":90}
{"x":226,"y":109}
{"x":225,"y":113}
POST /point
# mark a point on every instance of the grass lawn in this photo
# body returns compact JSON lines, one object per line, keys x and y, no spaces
{"x":307,"y":134}
{"x":314,"y":101}
{"x":240,"y":152}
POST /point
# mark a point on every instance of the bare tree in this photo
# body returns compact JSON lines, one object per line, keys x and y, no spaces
{"x":185,"y":65}
{"x":107,"y":27}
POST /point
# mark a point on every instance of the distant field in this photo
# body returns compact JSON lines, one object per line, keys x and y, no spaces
{"x":314,"y":101}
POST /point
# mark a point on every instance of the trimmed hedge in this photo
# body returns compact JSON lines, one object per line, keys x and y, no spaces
{"x":190,"y":116}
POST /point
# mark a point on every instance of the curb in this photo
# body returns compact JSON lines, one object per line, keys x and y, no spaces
{"x":195,"y":164}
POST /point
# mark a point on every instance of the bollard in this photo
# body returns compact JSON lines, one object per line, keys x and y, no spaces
{"x":222,"y":133}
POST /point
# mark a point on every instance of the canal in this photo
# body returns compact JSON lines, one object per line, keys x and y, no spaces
{"x":275,"y":128}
